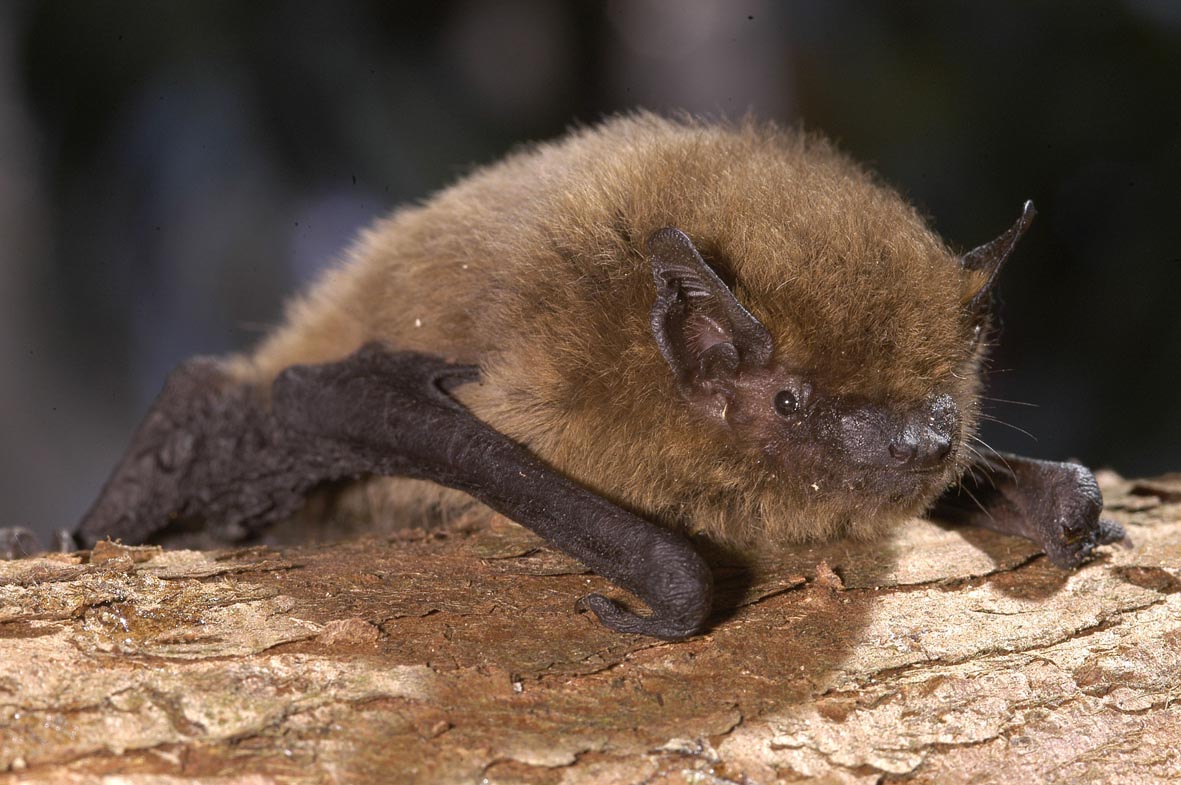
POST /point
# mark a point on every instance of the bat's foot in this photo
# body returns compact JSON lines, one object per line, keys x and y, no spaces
{"x":17,"y":543}
{"x":1057,"y":505}
{"x":1078,"y":538}
{"x":1065,"y":515}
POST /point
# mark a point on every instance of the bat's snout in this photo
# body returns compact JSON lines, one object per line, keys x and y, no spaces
{"x":918,"y":441}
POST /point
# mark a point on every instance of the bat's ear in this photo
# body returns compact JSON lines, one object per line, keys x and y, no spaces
{"x":702,"y":330}
{"x":988,"y":259}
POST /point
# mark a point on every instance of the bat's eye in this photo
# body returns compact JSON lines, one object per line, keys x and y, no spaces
{"x":786,"y":403}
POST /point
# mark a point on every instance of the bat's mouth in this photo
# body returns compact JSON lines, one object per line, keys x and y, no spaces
{"x":900,"y":486}
{"x":938,"y":468}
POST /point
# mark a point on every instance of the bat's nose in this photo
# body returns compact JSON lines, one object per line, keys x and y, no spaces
{"x":924,"y":441}
{"x":920,"y":449}
{"x":919,"y":440}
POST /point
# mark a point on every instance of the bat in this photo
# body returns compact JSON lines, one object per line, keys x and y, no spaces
{"x":648,"y":328}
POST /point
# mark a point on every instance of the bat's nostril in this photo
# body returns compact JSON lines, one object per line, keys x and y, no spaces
{"x":942,"y":448}
{"x":923,"y":451}
{"x":903,"y":452}
{"x":933,"y":448}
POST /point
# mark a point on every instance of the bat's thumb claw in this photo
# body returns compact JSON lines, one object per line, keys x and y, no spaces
{"x":614,"y":616}
{"x":1113,"y":532}
{"x":610,"y":613}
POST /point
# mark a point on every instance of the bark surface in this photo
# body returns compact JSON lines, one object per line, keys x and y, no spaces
{"x":939,"y":656}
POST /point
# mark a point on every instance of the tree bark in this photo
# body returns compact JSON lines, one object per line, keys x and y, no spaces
{"x":939,"y":656}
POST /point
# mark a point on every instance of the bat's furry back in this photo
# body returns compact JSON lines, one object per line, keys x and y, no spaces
{"x":535,"y":269}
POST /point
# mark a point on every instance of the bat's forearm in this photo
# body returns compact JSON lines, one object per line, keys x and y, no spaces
{"x":391,"y":413}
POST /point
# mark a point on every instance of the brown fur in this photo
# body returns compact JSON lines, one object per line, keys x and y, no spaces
{"x":534,"y":269}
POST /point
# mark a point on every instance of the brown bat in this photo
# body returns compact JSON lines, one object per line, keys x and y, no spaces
{"x":647,"y":327}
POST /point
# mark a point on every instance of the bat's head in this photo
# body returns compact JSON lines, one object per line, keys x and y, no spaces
{"x":860,"y":403}
{"x":806,"y":365}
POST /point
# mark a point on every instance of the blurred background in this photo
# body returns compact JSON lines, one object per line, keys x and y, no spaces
{"x":170,"y":172}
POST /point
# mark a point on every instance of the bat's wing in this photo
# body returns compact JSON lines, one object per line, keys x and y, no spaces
{"x":208,"y":448}
{"x":1056,"y":505}
{"x":214,"y":449}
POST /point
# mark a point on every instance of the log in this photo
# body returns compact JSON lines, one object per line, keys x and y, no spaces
{"x":456,"y":656}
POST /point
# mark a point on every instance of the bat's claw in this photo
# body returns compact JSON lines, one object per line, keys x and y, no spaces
{"x":615,"y":617}
{"x":1112,"y":532}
